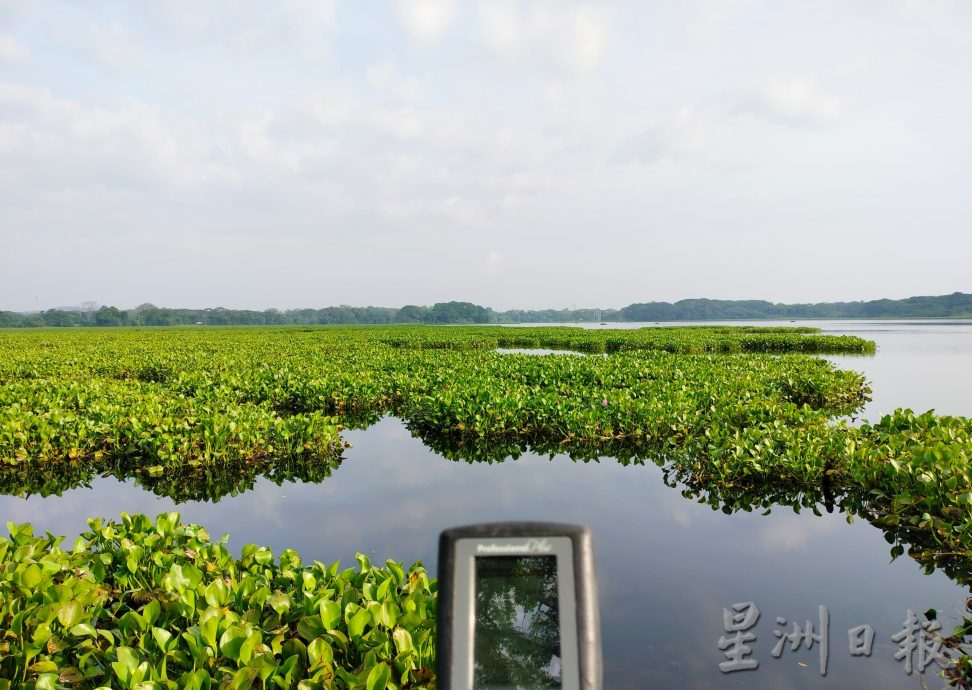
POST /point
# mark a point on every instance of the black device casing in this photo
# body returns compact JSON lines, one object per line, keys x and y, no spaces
{"x":585,"y":586}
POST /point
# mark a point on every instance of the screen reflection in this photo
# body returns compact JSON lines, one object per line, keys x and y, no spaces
{"x":517,"y":632}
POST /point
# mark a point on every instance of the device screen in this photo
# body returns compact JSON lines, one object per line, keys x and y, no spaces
{"x":517,"y":630}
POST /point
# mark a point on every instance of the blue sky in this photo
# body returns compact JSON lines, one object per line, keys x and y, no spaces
{"x":513,"y":154}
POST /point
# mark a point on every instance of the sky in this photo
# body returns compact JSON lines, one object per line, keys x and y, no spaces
{"x":543,"y":154}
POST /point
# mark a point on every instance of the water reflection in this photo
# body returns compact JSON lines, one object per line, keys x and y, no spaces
{"x":863,"y":505}
{"x":215,"y":483}
{"x":666,"y":565}
{"x":181,"y":484}
{"x":539,"y":351}
{"x":517,"y":637}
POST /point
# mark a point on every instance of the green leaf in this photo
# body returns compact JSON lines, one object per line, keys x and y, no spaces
{"x":217,"y":593}
{"x":151,"y":611}
{"x":244,"y":678}
{"x":31,"y":576}
{"x":231,"y":642}
{"x":319,"y":652}
{"x":166,"y":523}
{"x":349,"y":679}
{"x":42,"y":633}
{"x":246,"y":649}
{"x":378,"y":677}
{"x":357,"y":623}
{"x":69,"y":613}
{"x":383,"y":590}
{"x":330,"y":614}
{"x":279,"y":602}
{"x":46,"y":681}
{"x":45,"y":666}
{"x":310,"y":627}
{"x":176,"y":580}
{"x":389,"y":614}
{"x":83,"y":630}
{"x":126,"y":657}
{"x":164,"y":639}
{"x":207,"y":631}
{"x":132,"y":623}
{"x":308,"y":580}
{"x":403,"y":640}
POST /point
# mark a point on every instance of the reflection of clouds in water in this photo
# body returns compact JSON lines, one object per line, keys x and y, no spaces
{"x":417,"y":511}
{"x":794,"y":534}
{"x":66,"y":514}
{"x":678,"y":510}
{"x":266,"y":501}
{"x":916,"y":366}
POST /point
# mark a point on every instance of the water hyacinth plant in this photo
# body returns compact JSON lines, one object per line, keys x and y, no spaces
{"x":155,"y":604}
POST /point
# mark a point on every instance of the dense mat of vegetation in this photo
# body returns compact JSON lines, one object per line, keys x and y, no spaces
{"x":158,"y":604}
{"x":956,"y":305}
{"x":732,"y":414}
{"x":195,"y":398}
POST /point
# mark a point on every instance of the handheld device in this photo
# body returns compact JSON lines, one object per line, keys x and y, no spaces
{"x":517,"y":608}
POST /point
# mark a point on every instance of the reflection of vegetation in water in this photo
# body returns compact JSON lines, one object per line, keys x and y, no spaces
{"x":187,"y":483}
{"x":744,"y":488}
{"x":854,"y":504}
{"x":909,"y":474}
{"x":903,"y":536}
{"x":517,"y":638}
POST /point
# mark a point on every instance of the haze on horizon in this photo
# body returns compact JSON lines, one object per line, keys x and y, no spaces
{"x":542,"y":154}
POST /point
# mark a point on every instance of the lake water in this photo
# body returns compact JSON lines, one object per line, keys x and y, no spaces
{"x":667,"y":565}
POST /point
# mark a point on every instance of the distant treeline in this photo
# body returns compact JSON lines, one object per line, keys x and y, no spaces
{"x":956,"y":305}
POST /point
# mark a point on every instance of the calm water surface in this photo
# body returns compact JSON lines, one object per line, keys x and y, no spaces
{"x":667,"y":565}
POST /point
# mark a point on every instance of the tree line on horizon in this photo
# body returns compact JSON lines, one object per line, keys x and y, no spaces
{"x":956,"y":305}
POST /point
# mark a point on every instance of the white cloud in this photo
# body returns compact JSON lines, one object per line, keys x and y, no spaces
{"x":568,"y":36}
{"x":792,"y":102}
{"x":714,"y":18}
{"x":244,"y":26}
{"x":61,"y":138}
{"x":584,"y":35}
{"x":454,"y":210}
{"x":426,"y":20}
{"x":682,"y":134}
{"x":310,"y":25}
{"x":233,"y":127}
{"x":112,"y":45}
{"x":501,"y":27}
{"x":494,"y":260}
{"x":404,"y":124}
{"x":386,"y":79}
{"x":336,"y":108}
{"x":319,"y":13}
{"x":12,"y":50}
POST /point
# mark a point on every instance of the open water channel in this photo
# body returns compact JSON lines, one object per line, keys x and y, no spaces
{"x":667,"y":565}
